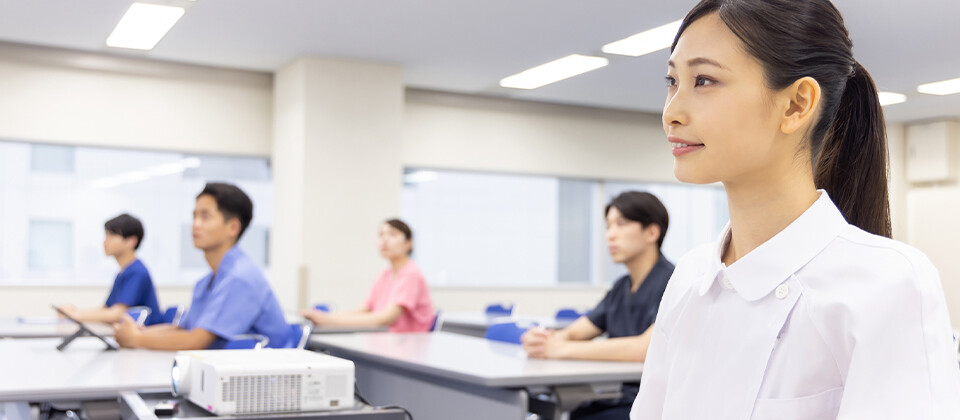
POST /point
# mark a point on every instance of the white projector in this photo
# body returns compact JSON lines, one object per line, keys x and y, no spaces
{"x":263,"y":380}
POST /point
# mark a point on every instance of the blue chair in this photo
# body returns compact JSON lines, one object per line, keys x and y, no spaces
{"x":437,"y":322}
{"x":499,"y":310}
{"x":569,"y":314}
{"x":247,"y":342}
{"x":507,"y":332}
{"x":139,"y":314}
{"x":173,"y":315}
{"x":299,"y":336}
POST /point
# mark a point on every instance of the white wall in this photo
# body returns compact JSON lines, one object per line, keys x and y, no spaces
{"x":451,"y":131}
{"x":476,"y":133}
{"x":930,"y":221}
{"x":338,"y":146}
{"x":57,"y":96}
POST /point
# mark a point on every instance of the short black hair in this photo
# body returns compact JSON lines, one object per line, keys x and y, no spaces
{"x":232,"y":202}
{"x":403,"y":228}
{"x":126,"y":226}
{"x":644,"y":208}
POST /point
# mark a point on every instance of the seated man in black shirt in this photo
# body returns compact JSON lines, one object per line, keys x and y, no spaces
{"x":636,"y":225}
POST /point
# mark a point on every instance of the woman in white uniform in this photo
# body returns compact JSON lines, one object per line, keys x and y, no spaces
{"x":803,"y":308}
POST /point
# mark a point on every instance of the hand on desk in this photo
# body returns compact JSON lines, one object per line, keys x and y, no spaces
{"x":317,"y":317}
{"x":127,"y":332}
{"x":544,"y":344}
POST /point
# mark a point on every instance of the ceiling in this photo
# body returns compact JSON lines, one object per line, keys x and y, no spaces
{"x":468,"y":46}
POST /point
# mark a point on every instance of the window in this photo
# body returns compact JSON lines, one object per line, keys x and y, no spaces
{"x":51,"y":158}
{"x":50,"y":245}
{"x":54,"y":201}
{"x":499,"y":230}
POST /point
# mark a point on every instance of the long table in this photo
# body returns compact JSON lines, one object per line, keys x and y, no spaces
{"x":33,"y":370}
{"x":445,"y":375}
{"x":45,"y":327}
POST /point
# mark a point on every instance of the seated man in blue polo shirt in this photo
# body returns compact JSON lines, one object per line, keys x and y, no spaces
{"x":636,"y":225}
{"x":133,"y":286}
{"x":234,"y":299}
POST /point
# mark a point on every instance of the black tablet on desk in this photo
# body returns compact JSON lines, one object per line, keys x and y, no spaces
{"x":81,"y":331}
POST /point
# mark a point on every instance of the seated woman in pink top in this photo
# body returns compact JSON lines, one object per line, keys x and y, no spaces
{"x":399,"y":298}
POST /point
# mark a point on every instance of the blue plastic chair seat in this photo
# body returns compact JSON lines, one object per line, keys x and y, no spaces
{"x":508,"y":332}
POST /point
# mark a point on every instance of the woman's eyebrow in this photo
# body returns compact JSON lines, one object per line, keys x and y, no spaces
{"x":699,"y":61}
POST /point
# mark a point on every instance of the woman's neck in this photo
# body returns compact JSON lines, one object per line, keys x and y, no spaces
{"x":398,"y":263}
{"x":760,"y":210}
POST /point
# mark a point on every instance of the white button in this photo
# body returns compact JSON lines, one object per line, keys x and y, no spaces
{"x":726,"y":282}
{"x":782,"y":291}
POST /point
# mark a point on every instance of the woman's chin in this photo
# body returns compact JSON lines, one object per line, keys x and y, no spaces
{"x":689,"y":175}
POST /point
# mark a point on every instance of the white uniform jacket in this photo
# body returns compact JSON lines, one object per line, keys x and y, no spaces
{"x":822,"y":321}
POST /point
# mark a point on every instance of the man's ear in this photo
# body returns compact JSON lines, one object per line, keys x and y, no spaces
{"x":233,"y":227}
{"x":799,"y":103}
{"x":652,"y":233}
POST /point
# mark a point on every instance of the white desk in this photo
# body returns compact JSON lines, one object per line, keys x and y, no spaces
{"x":475,"y":323}
{"x":446,"y":375}
{"x":13,"y":327}
{"x":33,"y":370}
{"x":326,"y":329}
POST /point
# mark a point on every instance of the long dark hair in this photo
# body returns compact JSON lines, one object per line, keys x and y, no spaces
{"x":793,"y":39}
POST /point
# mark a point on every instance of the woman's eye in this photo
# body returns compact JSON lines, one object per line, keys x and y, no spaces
{"x":670,"y":81}
{"x":703,"y":81}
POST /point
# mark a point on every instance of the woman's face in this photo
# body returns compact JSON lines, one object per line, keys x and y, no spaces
{"x":393,"y":244}
{"x":718,"y":105}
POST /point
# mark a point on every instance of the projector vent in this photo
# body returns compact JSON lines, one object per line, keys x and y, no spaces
{"x":263,"y":394}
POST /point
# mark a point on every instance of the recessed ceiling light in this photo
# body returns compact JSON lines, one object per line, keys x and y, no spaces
{"x":554,"y":71}
{"x":946,"y":87}
{"x":645,"y":42}
{"x":890,"y":98}
{"x":144,"y":25}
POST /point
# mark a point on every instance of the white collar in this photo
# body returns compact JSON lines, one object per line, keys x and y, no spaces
{"x":758,"y":273}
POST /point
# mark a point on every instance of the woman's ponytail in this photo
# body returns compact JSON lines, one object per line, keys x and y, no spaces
{"x":852,"y":162}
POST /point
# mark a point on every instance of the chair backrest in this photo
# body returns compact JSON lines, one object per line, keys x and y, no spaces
{"x":569,"y":314}
{"x":508,"y":332}
{"x":499,"y":309}
{"x":173,"y":315}
{"x":298,"y":336}
{"x":437,"y":323}
{"x":139,"y":314}
{"x":247,"y":342}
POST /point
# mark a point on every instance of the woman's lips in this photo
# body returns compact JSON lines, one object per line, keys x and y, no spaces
{"x":680,"y":147}
{"x":685,"y":149}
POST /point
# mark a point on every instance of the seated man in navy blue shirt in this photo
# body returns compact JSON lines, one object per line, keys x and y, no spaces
{"x":636,"y":225}
{"x":133,"y":286}
{"x":233,"y":299}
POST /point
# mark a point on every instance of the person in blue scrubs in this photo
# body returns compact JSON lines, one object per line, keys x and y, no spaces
{"x":233,"y":299}
{"x":133,"y":286}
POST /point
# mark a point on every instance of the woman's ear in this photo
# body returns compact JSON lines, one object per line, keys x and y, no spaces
{"x":801,"y":101}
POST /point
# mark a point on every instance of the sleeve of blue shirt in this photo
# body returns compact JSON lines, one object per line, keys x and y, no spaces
{"x":231,"y":310}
